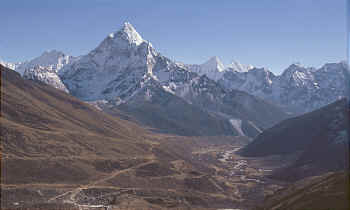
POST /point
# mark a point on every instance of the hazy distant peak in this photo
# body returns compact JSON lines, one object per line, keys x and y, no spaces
{"x":214,"y":64}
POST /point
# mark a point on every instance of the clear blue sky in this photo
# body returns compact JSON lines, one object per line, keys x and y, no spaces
{"x":269,"y":33}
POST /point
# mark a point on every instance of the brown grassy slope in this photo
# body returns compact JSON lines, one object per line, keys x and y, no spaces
{"x":48,"y":135}
{"x":329,"y":191}
{"x":54,"y":146}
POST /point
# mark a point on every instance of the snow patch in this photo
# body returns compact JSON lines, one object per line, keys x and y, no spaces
{"x":237,"y":125}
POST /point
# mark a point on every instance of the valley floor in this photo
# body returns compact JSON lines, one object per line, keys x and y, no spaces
{"x":208,"y":177}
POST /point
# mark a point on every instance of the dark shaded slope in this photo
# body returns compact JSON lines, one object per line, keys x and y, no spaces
{"x":298,"y":133}
{"x":167,"y":113}
{"x":320,"y":137}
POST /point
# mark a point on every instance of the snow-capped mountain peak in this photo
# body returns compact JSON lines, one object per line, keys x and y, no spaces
{"x":214,"y":64}
{"x":53,"y":58}
{"x":8,"y":65}
{"x":129,"y":33}
{"x":49,"y":59}
{"x":119,"y":66}
{"x":237,"y":66}
{"x":297,"y":75}
{"x":123,"y":39}
{"x":121,"y":49}
{"x":298,"y":89}
{"x":125,"y":43}
{"x":213,"y":68}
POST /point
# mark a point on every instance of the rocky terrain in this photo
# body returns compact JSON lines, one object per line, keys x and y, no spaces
{"x":46,"y":75}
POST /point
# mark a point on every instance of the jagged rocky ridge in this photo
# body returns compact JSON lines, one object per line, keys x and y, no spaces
{"x":298,"y":89}
{"x":53,"y":60}
{"x":44,"y":68}
{"x":46,"y":75}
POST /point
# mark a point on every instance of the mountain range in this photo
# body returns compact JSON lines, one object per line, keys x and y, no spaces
{"x":298,"y":89}
{"x":126,"y":71}
{"x":125,"y":60}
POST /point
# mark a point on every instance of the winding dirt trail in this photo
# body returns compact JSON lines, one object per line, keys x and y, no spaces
{"x":76,"y":191}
